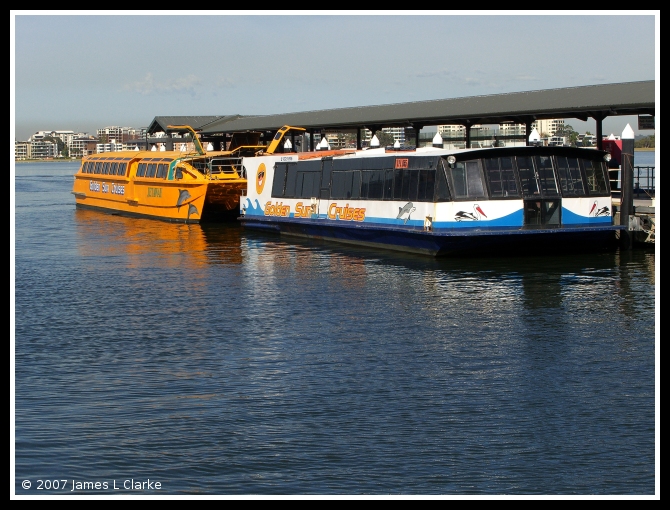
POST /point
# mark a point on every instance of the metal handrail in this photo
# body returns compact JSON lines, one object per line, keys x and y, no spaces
{"x":644,"y":180}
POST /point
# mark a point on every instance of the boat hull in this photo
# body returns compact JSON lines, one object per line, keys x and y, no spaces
{"x":171,"y":201}
{"x":463,"y":242}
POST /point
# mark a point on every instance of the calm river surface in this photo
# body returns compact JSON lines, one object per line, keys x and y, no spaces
{"x":154,"y":358}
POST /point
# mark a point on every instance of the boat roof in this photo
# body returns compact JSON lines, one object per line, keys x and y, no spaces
{"x":159,"y":155}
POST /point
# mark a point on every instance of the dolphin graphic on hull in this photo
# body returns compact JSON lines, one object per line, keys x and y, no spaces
{"x":184,"y":195}
{"x":407,"y":209}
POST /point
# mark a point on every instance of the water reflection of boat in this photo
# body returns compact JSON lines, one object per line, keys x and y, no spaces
{"x":144,"y":244}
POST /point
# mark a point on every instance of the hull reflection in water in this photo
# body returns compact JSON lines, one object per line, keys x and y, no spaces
{"x":151,"y":244}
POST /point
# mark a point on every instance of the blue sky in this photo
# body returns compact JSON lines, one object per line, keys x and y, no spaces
{"x":84,"y":70}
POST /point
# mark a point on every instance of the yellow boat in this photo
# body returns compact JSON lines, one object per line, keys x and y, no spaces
{"x":166,"y":185}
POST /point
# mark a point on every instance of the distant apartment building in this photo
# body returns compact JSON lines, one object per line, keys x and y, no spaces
{"x":43,"y":150}
{"x":120,"y":134}
{"x":508,"y":129}
{"x":556,"y":140}
{"x":549,"y":127}
{"x":480,"y":135}
{"x":111,"y":146}
{"x":44,"y":144}
{"x":398,"y":134}
{"x":64,"y":136}
{"x":22,"y":150}
{"x":584,"y":140}
{"x":82,"y":145}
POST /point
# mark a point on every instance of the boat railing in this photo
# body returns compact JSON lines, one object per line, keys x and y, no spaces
{"x":227,"y":167}
{"x":644,"y":181}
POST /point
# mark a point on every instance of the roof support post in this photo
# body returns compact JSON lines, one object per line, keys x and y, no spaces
{"x":468,"y":127}
{"x":598,"y":117}
{"x":417,"y":130}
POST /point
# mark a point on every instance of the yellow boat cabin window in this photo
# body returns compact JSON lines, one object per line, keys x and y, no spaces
{"x":153,"y":168}
{"x":116,"y":166}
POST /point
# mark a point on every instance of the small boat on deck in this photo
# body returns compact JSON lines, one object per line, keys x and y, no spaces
{"x":185,"y":187}
{"x":435,"y":201}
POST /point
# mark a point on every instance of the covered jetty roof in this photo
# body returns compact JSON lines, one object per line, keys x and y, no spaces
{"x":595,"y":101}
{"x":197,"y":122}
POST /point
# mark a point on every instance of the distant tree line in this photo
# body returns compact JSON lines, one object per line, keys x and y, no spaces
{"x":646,"y":142}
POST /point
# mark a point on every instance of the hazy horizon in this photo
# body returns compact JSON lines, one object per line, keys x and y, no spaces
{"x":83,"y":70}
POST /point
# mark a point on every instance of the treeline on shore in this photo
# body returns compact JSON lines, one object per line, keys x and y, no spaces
{"x":646,"y":142}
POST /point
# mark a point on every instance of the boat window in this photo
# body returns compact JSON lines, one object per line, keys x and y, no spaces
{"x":570,"y":177}
{"x":413,"y":184}
{"x":105,"y":168}
{"x":596,"y":180}
{"x":426,"y":185}
{"x":441,"y":186}
{"x":279,"y":180}
{"x":113,"y":168}
{"x":467,"y":180}
{"x":406,"y":184}
{"x":307,"y":184}
{"x":400,"y":193}
{"x":500,"y":176}
{"x":376,"y":189}
{"x":388,"y":184}
{"x":122,"y":168}
{"x":546,"y":176}
{"x":151,"y":170}
{"x":161,"y":172}
{"x":346,"y":185}
{"x":372,"y":184}
{"x":291,"y":177}
{"x":365,"y":183}
{"x":355,"y":185}
{"x":141,"y":169}
{"x":325,"y":175}
{"x":526,"y":170}
{"x":341,"y":181}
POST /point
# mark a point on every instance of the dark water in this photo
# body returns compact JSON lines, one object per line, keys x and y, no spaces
{"x":222,"y":362}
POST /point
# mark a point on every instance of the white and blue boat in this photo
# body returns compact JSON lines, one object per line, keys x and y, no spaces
{"x":528,"y":199}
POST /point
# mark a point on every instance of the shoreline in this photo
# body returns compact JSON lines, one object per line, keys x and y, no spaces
{"x":60,"y":160}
